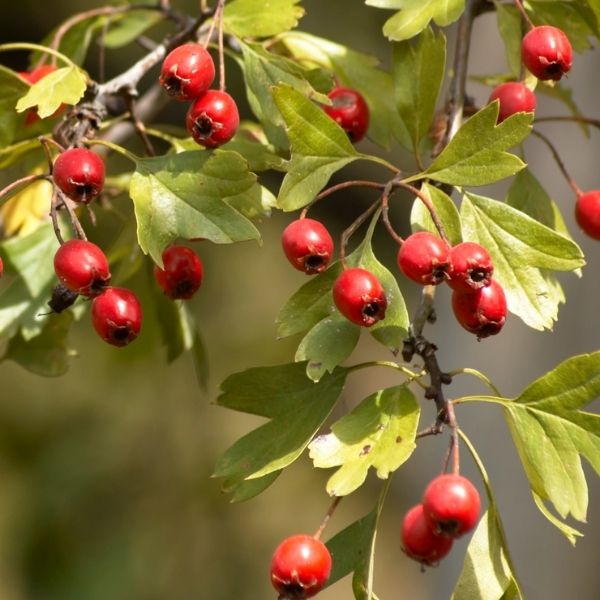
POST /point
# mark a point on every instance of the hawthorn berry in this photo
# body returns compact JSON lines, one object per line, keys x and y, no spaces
{"x":79,"y":173}
{"x":483,"y":311}
{"x":307,"y":245}
{"x":117,"y":316}
{"x":350,"y":111}
{"x":471,"y":267}
{"x":513,"y":97}
{"x":546,"y":52}
{"x":360,"y":297}
{"x":82,"y":267}
{"x":300,"y":567}
{"x":213,"y":119}
{"x":187,"y":72}
{"x":419,"y":541}
{"x":451,"y":505}
{"x":587,"y":213}
{"x":1,"y":267}
{"x":424,"y":258}
{"x":182,"y":272}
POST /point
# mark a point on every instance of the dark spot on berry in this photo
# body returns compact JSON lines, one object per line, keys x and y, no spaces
{"x":314,"y":263}
{"x":448,"y":528}
{"x":439,"y":274}
{"x":86,"y":191}
{"x":172,"y":85}
{"x":293,"y":591}
{"x":554,"y":68}
{"x":121,"y":335}
{"x":203,"y":125}
{"x":184,"y":289}
{"x":479,"y":275}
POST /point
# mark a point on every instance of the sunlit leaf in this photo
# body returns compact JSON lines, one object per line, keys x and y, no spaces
{"x":12,"y":87}
{"x":261,"y":18}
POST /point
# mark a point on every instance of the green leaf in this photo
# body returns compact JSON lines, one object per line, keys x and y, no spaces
{"x":254,"y":203}
{"x":520,"y":247}
{"x":245,"y":490}
{"x":569,"y":532}
{"x":477,"y":153}
{"x":182,"y":196}
{"x":45,"y":354}
{"x":63,"y":86}
{"x":378,"y":433}
{"x":320,"y":147}
{"x":128,"y":27}
{"x":551,"y":433}
{"x":296,"y":407}
{"x":511,"y":29}
{"x":260,"y":156}
{"x":261,"y":18}
{"x":12,"y":87}
{"x":418,"y":75}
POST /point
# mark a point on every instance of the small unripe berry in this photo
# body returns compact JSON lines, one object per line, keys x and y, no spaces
{"x":182,"y":272}
{"x":513,"y":97}
{"x":482,"y":312}
{"x":424,"y":258}
{"x":82,"y":267}
{"x":79,"y":173}
{"x":187,"y":72}
{"x":117,"y":316}
{"x":307,"y":245}
{"x":300,"y":567}
{"x":359,"y":296}
{"x":419,"y":541}
{"x":587,"y":213}
{"x":471,"y":267}
{"x":546,"y":52}
{"x":350,"y":111}
{"x":213,"y":119}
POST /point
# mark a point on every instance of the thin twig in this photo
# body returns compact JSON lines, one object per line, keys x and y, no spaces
{"x":327,"y":517}
{"x":571,"y":118}
{"x":341,"y":186}
{"x":19,"y":182}
{"x":347,"y":233}
{"x":220,"y":9}
{"x":139,"y":125}
{"x":53,"y":216}
{"x":78,"y":229}
{"x":385,"y":197}
{"x":524,"y":14}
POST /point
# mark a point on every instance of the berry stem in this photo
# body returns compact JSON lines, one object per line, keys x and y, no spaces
{"x":385,"y":197}
{"x":327,"y":517}
{"x":78,"y":229}
{"x":53,"y":216}
{"x":571,"y":118}
{"x":524,"y":14}
{"x":340,"y":186}
{"x":347,"y":233}
{"x":219,"y":17}
{"x":19,"y":182}
{"x":138,"y":124}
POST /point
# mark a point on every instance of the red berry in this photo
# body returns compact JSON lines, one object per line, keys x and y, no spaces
{"x":546,"y":52}
{"x":471,"y":267}
{"x":513,"y":97}
{"x":482,"y":312}
{"x":79,"y":173}
{"x":300,"y":567}
{"x":350,"y":111}
{"x":307,"y":245}
{"x":117,"y":316}
{"x":451,"y":505}
{"x":187,"y":72}
{"x":424,"y":258}
{"x":82,"y":267}
{"x":360,"y":297}
{"x":1,"y":268}
{"x":419,"y":541}
{"x":587,"y":213}
{"x":213,"y":119}
{"x":181,"y":274}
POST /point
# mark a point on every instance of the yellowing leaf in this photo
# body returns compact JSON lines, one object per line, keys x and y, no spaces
{"x":24,"y":212}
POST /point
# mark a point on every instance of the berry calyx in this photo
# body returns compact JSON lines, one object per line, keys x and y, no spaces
{"x":82,"y":267}
{"x":513,"y":97}
{"x":547,"y":52}
{"x":424,"y":258}
{"x":182,"y":272}
{"x":419,"y":541}
{"x":451,"y":505}
{"x":471,"y":267}
{"x":213,"y":119}
{"x":300,"y":567}
{"x":350,"y":111}
{"x":587,"y":213}
{"x":307,"y":245}
{"x":482,"y":312}
{"x":117,"y":316}
{"x":79,"y":173}
{"x":360,"y":297}
{"x":187,"y":72}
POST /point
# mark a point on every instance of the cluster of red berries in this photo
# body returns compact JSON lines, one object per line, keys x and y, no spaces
{"x":350,"y":111}
{"x":449,"y":509}
{"x":187,"y":73}
{"x":478,"y":301}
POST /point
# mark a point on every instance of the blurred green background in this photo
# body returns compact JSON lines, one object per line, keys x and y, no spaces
{"x":105,"y":488}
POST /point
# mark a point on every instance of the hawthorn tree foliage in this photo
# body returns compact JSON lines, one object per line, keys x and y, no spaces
{"x":207,"y":183}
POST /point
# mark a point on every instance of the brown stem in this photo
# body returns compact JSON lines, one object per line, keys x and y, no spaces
{"x":78,"y":229}
{"x":347,"y":233}
{"x":385,"y":198}
{"x":341,"y":186}
{"x":327,"y":517}
{"x":139,"y":125}
{"x":524,"y":14}
{"x":571,"y":118}
{"x":53,"y":216}
{"x":220,"y":9}
{"x":22,"y":181}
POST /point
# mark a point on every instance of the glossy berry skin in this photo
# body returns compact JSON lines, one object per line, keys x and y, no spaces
{"x":182,"y":272}
{"x":359,"y":296}
{"x":82,"y":267}
{"x":513,"y":97}
{"x":1,"y":267}
{"x":424,"y":258}
{"x":187,"y":72}
{"x":471,"y":267}
{"x":350,"y":111}
{"x":587,"y":213}
{"x":307,"y":245}
{"x":300,"y":567}
{"x":546,"y":52}
{"x":213,"y":119}
{"x":79,"y":173}
{"x":419,"y":541}
{"x":451,"y":505}
{"x":482,"y":312}
{"x":117,"y":316}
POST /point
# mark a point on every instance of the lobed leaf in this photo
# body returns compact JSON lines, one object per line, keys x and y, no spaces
{"x":12,"y":87}
{"x":261,"y":18}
